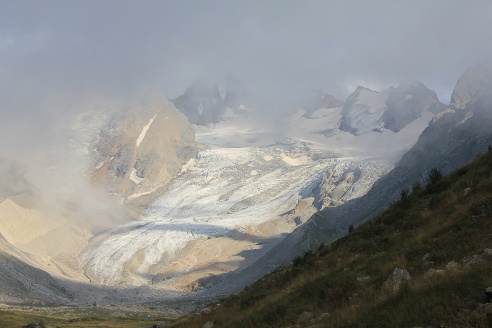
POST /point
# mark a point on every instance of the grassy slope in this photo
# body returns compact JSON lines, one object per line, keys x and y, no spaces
{"x":438,"y":220}
{"x":82,"y":318}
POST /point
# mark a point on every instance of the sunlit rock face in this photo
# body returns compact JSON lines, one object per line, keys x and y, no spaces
{"x":473,"y":84}
{"x":142,"y":148}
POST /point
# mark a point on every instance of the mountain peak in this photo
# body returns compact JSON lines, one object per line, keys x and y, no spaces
{"x":473,"y":84}
{"x":392,"y":109}
{"x":204,"y":102}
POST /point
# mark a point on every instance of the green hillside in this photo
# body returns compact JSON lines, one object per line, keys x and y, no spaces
{"x":439,"y":231}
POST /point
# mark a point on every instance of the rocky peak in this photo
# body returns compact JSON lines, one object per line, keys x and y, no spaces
{"x":407,"y":103}
{"x":204,"y":102}
{"x":322,"y":100}
{"x":474,"y":83}
{"x":363,"y":110}
{"x":143,"y":147}
{"x":392,"y":109}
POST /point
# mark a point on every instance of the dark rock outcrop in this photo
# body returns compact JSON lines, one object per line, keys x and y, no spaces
{"x":204,"y":103}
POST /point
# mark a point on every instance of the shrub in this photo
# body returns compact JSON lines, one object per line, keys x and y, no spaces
{"x":417,"y":186}
{"x":433,"y":177}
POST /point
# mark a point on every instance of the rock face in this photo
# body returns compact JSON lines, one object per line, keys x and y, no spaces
{"x":407,"y":103}
{"x":204,"y":103}
{"x":141,"y":149}
{"x":392,"y":109}
{"x":472,"y":85}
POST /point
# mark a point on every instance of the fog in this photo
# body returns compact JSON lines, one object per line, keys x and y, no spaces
{"x":67,"y":51}
{"x":61,"y":57}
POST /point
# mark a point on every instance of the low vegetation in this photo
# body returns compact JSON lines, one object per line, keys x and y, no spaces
{"x":86,"y":317}
{"x":439,"y":232}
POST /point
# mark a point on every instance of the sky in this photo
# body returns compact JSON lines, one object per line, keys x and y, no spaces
{"x":57,"y":56}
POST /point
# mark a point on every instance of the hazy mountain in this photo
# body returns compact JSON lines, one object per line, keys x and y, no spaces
{"x":453,"y":138}
{"x":245,"y":205}
{"x":204,"y":102}
{"x":142,"y":148}
{"x":393,"y":109}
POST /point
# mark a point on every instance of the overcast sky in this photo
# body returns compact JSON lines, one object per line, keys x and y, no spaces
{"x":61,"y":53}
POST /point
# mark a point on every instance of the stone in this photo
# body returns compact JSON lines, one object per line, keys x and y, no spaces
{"x":488,"y":294}
{"x":206,"y":311}
{"x":305,"y":317}
{"x":467,"y":191}
{"x":395,"y":282}
{"x":426,"y":257}
{"x":453,"y":266}
{"x":208,"y":324}
{"x":363,"y":279}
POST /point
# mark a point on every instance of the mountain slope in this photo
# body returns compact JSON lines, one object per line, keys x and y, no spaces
{"x":454,"y":137}
{"x":437,"y":237}
{"x":143,"y":148}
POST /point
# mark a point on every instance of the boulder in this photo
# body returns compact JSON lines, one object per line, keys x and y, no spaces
{"x":208,"y":324}
{"x":396,"y":281}
{"x":305,"y":317}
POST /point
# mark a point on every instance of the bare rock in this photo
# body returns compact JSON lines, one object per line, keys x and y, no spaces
{"x":141,"y":149}
{"x":208,"y":324}
{"x":453,"y":266}
{"x":305,"y":317}
{"x":395,"y":282}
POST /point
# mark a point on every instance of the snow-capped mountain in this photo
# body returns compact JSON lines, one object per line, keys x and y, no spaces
{"x":453,"y":138}
{"x":217,"y":208}
{"x":393,"y":109}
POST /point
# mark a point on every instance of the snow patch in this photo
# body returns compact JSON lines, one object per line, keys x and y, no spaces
{"x":134,"y":177}
{"x":140,"y":194}
{"x":373,"y":101}
{"x":144,"y":131}
{"x":295,"y":161}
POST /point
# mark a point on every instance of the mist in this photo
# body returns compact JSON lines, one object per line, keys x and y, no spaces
{"x":59,"y":58}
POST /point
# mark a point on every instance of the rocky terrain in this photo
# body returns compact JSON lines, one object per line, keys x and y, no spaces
{"x":140,"y":150}
{"x":195,"y":221}
{"x":454,"y":137}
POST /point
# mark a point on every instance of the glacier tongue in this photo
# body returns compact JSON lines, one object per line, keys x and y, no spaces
{"x":224,"y":192}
